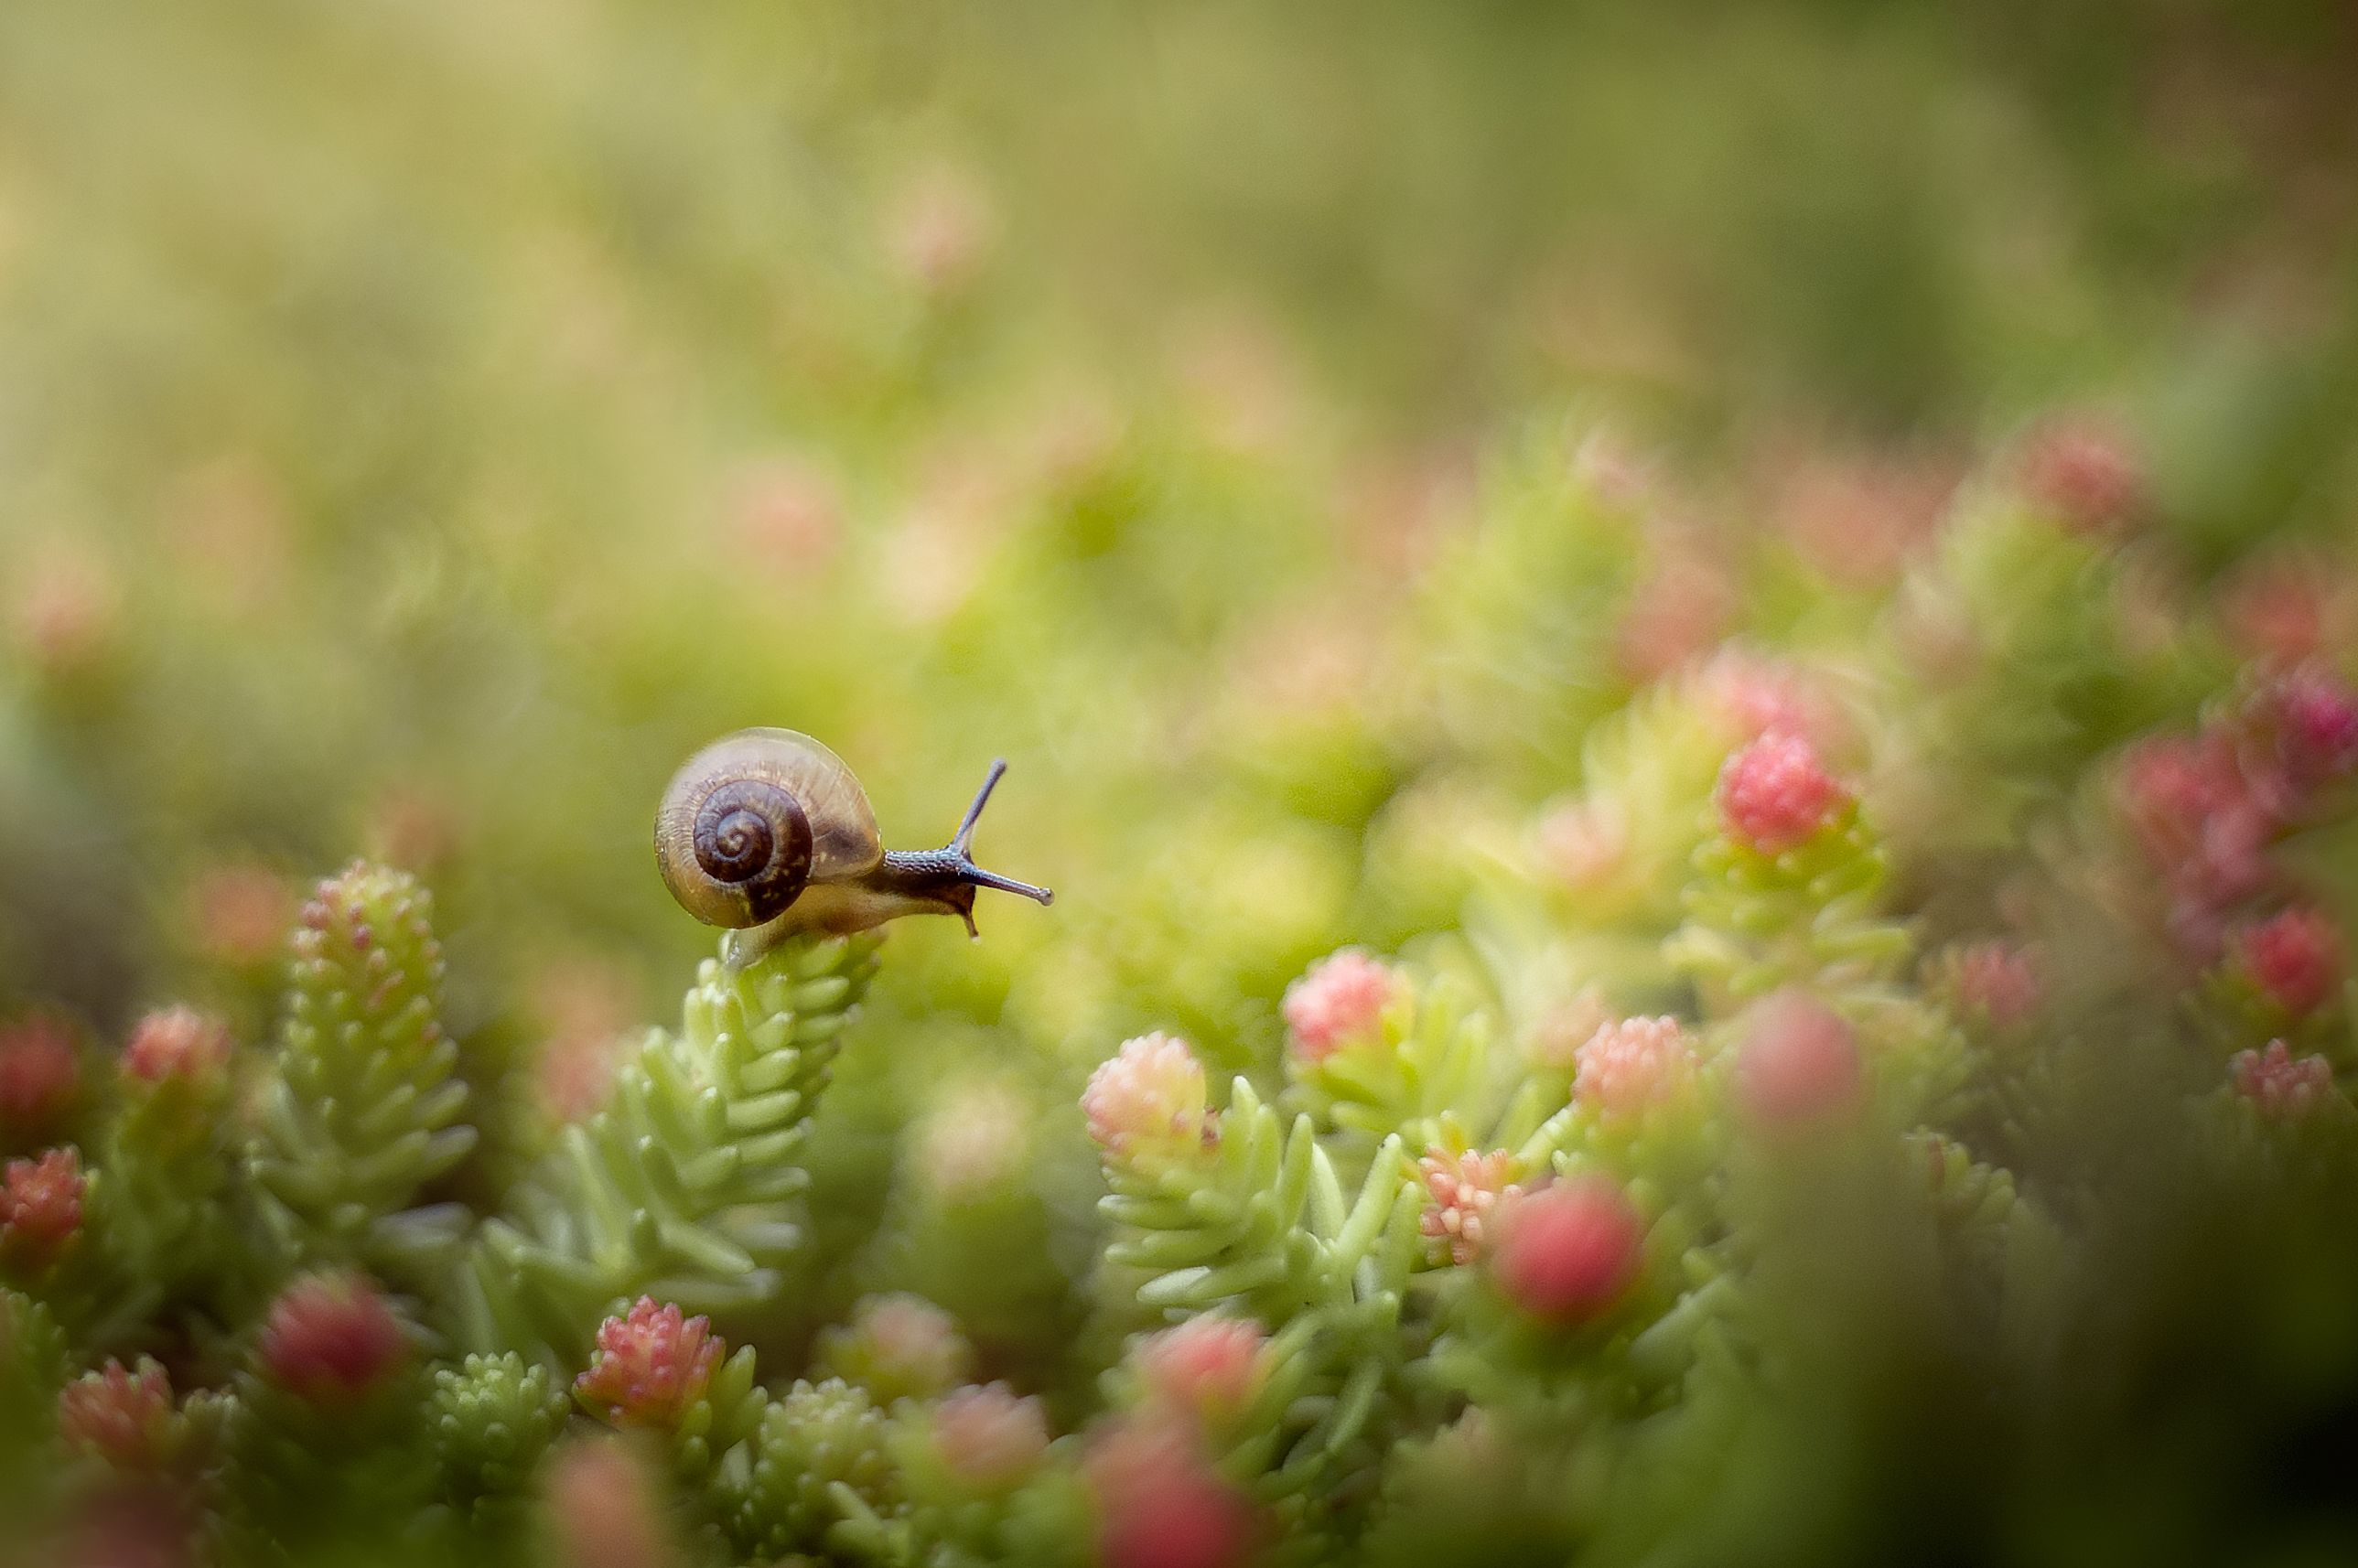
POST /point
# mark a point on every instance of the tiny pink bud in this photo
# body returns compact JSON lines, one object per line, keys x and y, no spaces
{"x":899,"y":1346}
{"x":1340,"y":1001}
{"x":989,"y":1437}
{"x":1674,"y":614}
{"x":2295,"y":959}
{"x":331,"y":1339}
{"x":40,"y":1208}
{"x":1208,"y":1367}
{"x":2195,"y":813}
{"x":119,"y":1416}
{"x":651,"y":1365}
{"x":1468,"y":1191}
{"x":1634,"y":1063}
{"x":1582,"y":844}
{"x":177,"y":1043}
{"x":2287,"y":610}
{"x":976,"y":1140}
{"x":605,"y":1509}
{"x":1161,"y":1506}
{"x":2314,"y":717}
{"x":2282,"y":1084}
{"x":2085,"y":472}
{"x":40,"y":1076}
{"x":1994,"y":982}
{"x":240,"y":914}
{"x":1800,"y":1063}
{"x":1147,"y":1101}
{"x":1567,"y":1252}
{"x":1775,"y":795}
{"x":1754,"y":696}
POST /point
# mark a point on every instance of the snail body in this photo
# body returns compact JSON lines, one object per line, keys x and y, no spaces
{"x":768,"y":832}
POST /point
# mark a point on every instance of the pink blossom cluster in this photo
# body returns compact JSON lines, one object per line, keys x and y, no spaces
{"x":1340,"y":1001}
{"x":1147,"y":1101}
{"x":2206,"y":807}
{"x":1775,"y":795}
{"x":1468,"y":1191}
{"x":119,"y":1415}
{"x":651,"y":1365}
{"x":2282,"y":1084}
{"x":40,"y":1208}
{"x":1631,"y":1065}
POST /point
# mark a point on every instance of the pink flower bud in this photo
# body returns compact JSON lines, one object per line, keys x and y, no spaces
{"x":899,"y":1346}
{"x":2197,"y":819}
{"x":331,"y":1339}
{"x":1675,"y":613}
{"x":2314,"y":718}
{"x":975,"y":1140}
{"x":1340,"y":1001}
{"x":605,"y":1508}
{"x":650,"y":1365}
{"x":2085,"y":472}
{"x":1582,"y":844}
{"x":1208,"y":1367}
{"x":40,"y":1077}
{"x":1161,"y":1506}
{"x":1634,"y":1063}
{"x":1468,"y":1191}
{"x":240,"y":914}
{"x":1798,"y":1063}
{"x":1147,"y":1102}
{"x":177,"y":1043}
{"x":123,"y":1418}
{"x":40,"y":1208}
{"x":988,"y":1437}
{"x":1994,"y":982}
{"x":1775,"y":795}
{"x":1567,"y":1252}
{"x":2282,"y":1084}
{"x":1754,"y":696}
{"x":2295,"y":959}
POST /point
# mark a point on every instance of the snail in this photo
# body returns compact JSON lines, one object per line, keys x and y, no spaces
{"x":768,"y":833}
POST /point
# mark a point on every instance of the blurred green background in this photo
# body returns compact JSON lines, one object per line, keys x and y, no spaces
{"x":423,"y":424}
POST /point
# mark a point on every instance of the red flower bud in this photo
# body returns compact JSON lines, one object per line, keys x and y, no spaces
{"x":40,"y":1076}
{"x":1567,"y":1252}
{"x":331,"y":1338}
{"x":2295,"y":959}
{"x":1161,"y":1506}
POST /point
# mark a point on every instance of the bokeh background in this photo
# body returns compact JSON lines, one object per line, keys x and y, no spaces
{"x":422,"y":424}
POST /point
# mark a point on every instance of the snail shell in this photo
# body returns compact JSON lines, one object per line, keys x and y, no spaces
{"x":753,"y":819}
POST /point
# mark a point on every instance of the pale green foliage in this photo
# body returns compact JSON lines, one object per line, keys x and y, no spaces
{"x":361,"y":1105}
{"x":492,"y":1417}
{"x":685,"y":1184}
